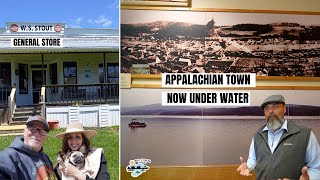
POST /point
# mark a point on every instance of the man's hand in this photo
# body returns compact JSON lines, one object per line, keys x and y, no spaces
{"x":243,"y":168}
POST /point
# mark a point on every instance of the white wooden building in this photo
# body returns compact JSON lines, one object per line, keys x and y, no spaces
{"x":77,"y":80}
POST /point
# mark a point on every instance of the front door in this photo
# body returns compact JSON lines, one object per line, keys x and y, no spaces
{"x":37,"y":84}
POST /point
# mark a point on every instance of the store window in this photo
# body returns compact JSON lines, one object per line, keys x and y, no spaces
{"x":5,"y":82}
{"x":23,"y":79}
{"x":70,"y":72}
{"x":5,"y":75}
{"x":112,"y":73}
{"x":54,"y":73}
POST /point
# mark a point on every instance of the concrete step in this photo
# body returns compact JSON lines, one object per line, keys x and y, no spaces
{"x":12,"y":129}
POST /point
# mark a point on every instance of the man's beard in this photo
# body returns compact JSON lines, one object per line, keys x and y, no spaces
{"x":274,"y":122}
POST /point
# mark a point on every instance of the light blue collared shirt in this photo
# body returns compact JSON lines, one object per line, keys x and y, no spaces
{"x":312,"y":159}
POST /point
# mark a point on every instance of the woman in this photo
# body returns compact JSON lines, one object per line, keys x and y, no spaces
{"x":77,"y":139}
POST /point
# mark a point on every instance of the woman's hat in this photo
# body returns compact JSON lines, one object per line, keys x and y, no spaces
{"x":75,"y":127}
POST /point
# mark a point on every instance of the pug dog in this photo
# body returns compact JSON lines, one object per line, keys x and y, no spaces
{"x":75,"y":158}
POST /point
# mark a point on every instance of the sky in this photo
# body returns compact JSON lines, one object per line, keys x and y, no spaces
{"x":76,"y":14}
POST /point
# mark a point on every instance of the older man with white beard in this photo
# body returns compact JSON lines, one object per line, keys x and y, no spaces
{"x":24,"y":158}
{"x":281,"y":149}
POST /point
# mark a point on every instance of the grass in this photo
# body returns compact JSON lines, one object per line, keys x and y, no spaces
{"x":106,"y":138}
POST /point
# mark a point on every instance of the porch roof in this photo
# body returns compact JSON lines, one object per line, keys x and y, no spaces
{"x":74,"y":40}
{"x":55,"y":50}
{"x":68,"y":32}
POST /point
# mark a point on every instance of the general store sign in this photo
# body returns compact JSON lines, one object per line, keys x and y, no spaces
{"x":17,"y":27}
{"x":37,"y":42}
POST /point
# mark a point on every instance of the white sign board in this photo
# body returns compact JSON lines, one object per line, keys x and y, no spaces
{"x":18,"y":27}
{"x":37,"y":42}
{"x":206,"y":98}
{"x":208,"y":80}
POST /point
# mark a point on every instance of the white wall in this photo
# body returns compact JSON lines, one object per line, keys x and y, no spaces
{"x":90,"y":116}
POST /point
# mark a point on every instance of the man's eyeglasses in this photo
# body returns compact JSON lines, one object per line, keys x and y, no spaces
{"x":42,"y":132}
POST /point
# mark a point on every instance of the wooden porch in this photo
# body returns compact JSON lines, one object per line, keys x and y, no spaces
{"x":105,"y":93}
{"x":58,"y":95}
{"x":4,"y":95}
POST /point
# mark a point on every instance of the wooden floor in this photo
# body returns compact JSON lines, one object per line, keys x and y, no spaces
{"x":223,"y":172}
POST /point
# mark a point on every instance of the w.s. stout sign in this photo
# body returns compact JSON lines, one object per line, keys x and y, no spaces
{"x":18,"y":27}
{"x":37,"y":42}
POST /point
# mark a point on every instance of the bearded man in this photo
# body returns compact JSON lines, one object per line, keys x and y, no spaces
{"x":281,"y":149}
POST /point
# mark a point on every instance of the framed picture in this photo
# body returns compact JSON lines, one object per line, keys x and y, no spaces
{"x":156,"y":3}
{"x":275,"y":46}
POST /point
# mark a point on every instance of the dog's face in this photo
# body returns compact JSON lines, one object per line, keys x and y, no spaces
{"x":76,"y":158}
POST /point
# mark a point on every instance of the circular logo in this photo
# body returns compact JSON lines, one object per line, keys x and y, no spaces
{"x":58,"y":28}
{"x":14,"y":28}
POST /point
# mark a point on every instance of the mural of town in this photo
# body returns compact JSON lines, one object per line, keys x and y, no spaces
{"x":155,"y":42}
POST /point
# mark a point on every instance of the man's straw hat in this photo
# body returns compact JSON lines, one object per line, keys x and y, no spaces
{"x":75,"y":127}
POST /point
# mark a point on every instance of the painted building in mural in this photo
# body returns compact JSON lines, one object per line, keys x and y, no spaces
{"x":64,"y":74}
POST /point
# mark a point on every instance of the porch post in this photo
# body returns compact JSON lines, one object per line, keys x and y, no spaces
{"x":104,"y":68}
{"x":104,"y":77}
{"x":42,"y":61}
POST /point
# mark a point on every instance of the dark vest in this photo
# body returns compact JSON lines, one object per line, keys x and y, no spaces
{"x":288,"y":157}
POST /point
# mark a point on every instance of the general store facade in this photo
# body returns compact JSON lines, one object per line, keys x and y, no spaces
{"x":66,"y":75}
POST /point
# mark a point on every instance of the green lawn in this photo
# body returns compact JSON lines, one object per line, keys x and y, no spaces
{"x":106,"y":138}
